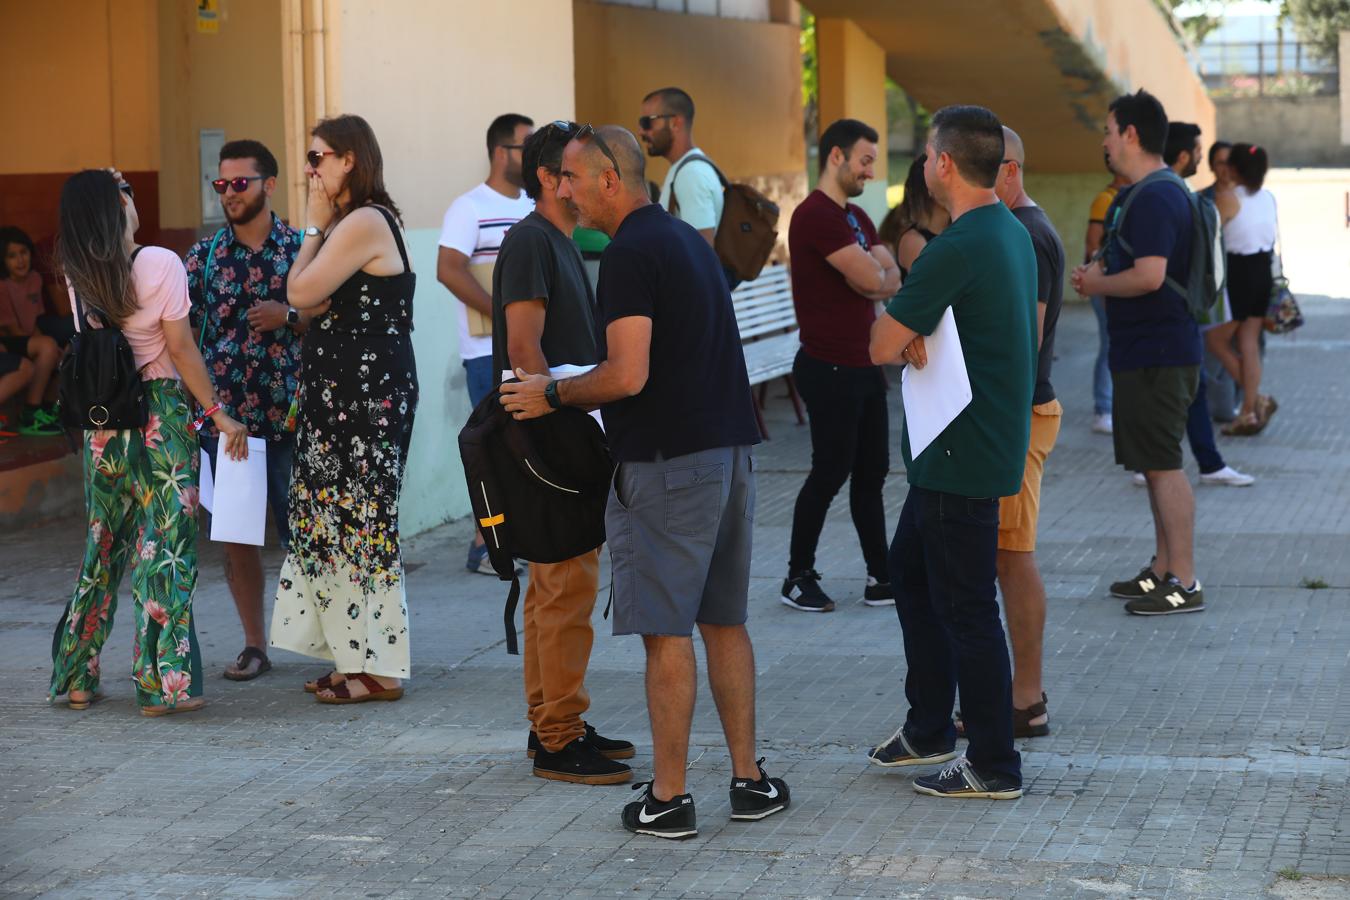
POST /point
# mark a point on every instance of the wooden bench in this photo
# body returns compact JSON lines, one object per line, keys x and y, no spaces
{"x":769,"y":334}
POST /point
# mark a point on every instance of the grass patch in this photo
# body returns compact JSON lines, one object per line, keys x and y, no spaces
{"x":1289,"y":873}
{"x":1313,"y":584}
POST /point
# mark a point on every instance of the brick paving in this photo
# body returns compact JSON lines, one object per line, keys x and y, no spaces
{"x":1191,"y":756}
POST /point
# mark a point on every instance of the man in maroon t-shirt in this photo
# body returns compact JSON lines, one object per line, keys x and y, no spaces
{"x":840,"y":269}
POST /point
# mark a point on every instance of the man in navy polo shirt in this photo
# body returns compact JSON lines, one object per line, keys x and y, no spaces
{"x":676,"y":402}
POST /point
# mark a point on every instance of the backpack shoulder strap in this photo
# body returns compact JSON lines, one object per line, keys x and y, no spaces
{"x":206,"y":283}
{"x":674,"y":203}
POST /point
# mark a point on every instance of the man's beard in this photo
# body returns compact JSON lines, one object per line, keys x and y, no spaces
{"x":850,"y":185}
{"x":250,"y":211}
{"x":659,"y":144}
{"x":515,"y":176}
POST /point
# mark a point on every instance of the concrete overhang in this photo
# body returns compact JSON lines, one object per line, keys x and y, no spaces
{"x":1048,"y":68}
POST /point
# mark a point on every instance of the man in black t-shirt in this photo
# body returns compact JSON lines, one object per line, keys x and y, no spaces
{"x":676,"y":401}
{"x":543,"y":317}
{"x":1019,"y":579}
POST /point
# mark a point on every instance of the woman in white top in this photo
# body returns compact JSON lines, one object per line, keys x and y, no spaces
{"x":1249,"y":238}
{"x":140,"y":484}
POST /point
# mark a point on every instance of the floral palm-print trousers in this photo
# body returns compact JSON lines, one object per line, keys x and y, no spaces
{"x":140,"y":491}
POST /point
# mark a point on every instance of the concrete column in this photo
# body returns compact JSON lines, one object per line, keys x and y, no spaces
{"x":853,"y":86}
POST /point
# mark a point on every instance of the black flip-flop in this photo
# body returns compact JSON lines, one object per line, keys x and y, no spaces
{"x":242,"y":660}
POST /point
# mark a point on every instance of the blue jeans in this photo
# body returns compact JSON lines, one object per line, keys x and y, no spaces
{"x":943,"y":563}
{"x":480,"y":378}
{"x":1101,"y":370}
{"x":279,"y":454}
{"x":1200,"y":432}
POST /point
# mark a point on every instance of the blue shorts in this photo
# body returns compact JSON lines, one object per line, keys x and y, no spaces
{"x":278,"y":480}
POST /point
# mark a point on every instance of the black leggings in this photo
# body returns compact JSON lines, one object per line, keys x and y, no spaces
{"x":849,"y":442}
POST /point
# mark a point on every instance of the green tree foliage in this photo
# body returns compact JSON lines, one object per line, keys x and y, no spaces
{"x":1320,"y":23}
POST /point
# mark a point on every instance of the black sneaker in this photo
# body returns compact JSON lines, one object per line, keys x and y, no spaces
{"x":754,"y":800}
{"x":802,"y":591}
{"x":961,"y":781}
{"x":673,"y":819}
{"x":580,"y":763}
{"x":1137,"y":586}
{"x":1168,"y":598}
{"x":898,"y":751}
{"x":608,"y":747}
{"x":878,"y":593}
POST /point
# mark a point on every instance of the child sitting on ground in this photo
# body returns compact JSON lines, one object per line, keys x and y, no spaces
{"x":28,"y":331}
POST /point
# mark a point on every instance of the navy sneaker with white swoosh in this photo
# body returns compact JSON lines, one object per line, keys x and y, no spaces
{"x":754,"y":800}
{"x":672,"y":819}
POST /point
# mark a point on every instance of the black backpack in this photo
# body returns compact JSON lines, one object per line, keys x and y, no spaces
{"x":100,"y":387}
{"x":538,"y":488}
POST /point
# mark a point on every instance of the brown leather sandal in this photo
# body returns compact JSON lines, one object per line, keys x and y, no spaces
{"x":1022,"y":727}
{"x":240,"y":670}
{"x":324,"y":683}
{"x":342,"y":692}
{"x":1244,"y":426}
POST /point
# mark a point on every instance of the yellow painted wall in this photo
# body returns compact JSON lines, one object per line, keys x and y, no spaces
{"x":82,"y":74}
{"x":430,"y":79}
{"x":230,"y":80}
{"x":852,"y":79}
{"x":745,"y":78}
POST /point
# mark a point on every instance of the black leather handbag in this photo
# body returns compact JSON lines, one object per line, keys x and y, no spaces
{"x":100,"y":387}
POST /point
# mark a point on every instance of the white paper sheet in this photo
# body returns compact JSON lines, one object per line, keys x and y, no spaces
{"x":240,"y":496}
{"x":559,"y":373}
{"x":206,"y":486}
{"x":935,"y":395}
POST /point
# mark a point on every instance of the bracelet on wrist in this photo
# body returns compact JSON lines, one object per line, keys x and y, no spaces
{"x":201,"y":420}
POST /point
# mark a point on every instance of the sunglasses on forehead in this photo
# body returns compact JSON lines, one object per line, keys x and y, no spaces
{"x":586,"y":132}
{"x":126,"y":189}
{"x":240,"y":184}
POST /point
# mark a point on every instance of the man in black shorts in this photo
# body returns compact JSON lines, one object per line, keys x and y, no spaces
{"x":676,"y":401}
{"x":1155,"y":347}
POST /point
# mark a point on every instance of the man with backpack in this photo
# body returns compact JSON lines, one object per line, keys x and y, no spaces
{"x":1153,"y":295}
{"x":542,"y":318}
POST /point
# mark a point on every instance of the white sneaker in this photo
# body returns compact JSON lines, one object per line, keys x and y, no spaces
{"x":1138,"y":480}
{"x":1228,"y":476}
{"x":1101,"y":423}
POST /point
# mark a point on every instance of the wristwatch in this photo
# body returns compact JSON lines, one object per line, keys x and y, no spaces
{"x":292,"y":316}
{"x":551,"y":395}
{"x":314,"y":231}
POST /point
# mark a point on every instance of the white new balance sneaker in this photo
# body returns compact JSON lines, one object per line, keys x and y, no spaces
{"x":1227,"y":476}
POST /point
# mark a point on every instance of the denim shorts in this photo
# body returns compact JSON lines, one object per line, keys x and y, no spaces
{"x":679,"y":533}
{"x":279,"y":455}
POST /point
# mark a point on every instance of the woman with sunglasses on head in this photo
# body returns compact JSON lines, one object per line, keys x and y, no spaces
{"x":140,"y":484}
{"x":341,"y":593}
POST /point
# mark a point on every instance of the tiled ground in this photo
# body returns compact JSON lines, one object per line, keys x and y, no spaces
{"x":1192,"y":756}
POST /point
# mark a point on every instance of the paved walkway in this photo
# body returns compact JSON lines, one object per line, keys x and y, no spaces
{"x":1192,"y":756}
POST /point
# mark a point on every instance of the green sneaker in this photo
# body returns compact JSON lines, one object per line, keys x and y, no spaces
{"x":39,"y":422}
{"x":1167,"y":598}
{"x":1138,"y":586}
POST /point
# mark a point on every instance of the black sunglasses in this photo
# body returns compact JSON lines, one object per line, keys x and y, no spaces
{"x":239,"y":184}
{"x":315,"y":157}
{"x":126,"y":189}
{"x":588,"y":131}
{"x":645,"y":122}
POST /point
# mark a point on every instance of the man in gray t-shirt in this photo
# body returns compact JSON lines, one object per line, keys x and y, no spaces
{"x":543,"y":316}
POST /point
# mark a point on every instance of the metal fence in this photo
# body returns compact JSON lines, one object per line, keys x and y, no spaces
{"x":1266,"y":68}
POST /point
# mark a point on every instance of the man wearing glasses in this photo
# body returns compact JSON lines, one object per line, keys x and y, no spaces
{"x":840,"y":270}
{"x":250,"y":340}
{"x":692,"y":191}
{"x":471,"y":235}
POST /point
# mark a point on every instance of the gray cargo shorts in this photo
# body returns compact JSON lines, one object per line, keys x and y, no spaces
{"x":679,"y":534}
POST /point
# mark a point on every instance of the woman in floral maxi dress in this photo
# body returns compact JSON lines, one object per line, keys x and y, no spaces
{"x":140,"y":485}
{"x":340,"y":595}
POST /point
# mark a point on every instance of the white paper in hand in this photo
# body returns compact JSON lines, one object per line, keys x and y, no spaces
{"x":239,"y":515}
{"x":567,"y":370}
{"x":205,"y":485}
{"x":935,"y":395}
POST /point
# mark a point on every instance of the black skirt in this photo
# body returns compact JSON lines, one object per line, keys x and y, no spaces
{"x":1249,"y":284}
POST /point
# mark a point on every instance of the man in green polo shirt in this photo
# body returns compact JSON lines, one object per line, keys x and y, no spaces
{"x":943,"y":557}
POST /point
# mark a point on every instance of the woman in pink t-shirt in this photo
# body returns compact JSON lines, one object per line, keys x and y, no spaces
{"x":140,"y":484}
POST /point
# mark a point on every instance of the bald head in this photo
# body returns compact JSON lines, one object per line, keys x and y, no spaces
{"x":589,"y":165}
{"x":1012,"y":146}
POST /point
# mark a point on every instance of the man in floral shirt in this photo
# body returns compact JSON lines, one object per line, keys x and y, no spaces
{"x":250,"y":339}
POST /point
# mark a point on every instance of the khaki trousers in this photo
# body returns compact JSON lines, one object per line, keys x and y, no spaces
{"x":558,"y":637}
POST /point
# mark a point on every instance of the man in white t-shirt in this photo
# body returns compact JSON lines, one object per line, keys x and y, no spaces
{"x":470,"y":237}
{"x":692,"y":191}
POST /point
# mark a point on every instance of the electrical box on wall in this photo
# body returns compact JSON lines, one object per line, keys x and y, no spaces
{"x":210,"y":142}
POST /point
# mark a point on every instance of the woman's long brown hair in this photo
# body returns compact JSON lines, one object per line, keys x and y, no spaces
{"x":365,"y":183}
{"x":91,"y":244}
